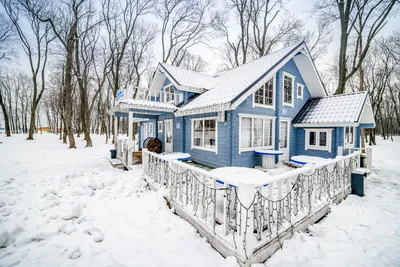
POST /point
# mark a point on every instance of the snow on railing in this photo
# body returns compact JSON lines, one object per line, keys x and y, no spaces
{"x":249,"y":217}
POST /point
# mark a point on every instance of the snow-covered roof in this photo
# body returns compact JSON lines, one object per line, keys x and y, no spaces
{"x":234,"y":85}
{"x":334,"y":110}
{"x":127,"y":104}
{"x":188,"y":78}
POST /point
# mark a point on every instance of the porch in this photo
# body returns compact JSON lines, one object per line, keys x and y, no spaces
{"x":141,"y":117}
{"x":248,"y":219}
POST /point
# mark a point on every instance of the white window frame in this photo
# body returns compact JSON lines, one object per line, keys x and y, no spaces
{"x":344,"y":136}
{"x":253,"y":116}
{"x":151,"y":129}
{"x":283,"y":89}
{"x":216,"y":134}
{"x":160,"y":126}
{"x":273,"y":94}
{"x":297,"y":90}
{"x":328,"y":146}
{"x":164,"y":93}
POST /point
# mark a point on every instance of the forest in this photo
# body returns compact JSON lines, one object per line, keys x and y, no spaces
{"x":76,"y":54}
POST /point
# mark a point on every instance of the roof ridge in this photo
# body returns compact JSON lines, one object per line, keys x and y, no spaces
{"x":177,"y":67}
{"x":346,"y":94}
{"x":258,"y":59}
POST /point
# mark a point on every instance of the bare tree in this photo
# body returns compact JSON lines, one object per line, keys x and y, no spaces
{"x":361,"y":20}
{"x":195,"y":63}
{"x":7,"y":39}
{"x":36,"y":49}
{"x":185,"y":23}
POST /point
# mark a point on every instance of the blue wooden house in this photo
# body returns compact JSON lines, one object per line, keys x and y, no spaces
{"x":276,"y":102}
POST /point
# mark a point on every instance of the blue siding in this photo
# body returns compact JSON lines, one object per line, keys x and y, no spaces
{"x":301,"y":144}
{"x":179,"y":126}
{"x":250,"y":159}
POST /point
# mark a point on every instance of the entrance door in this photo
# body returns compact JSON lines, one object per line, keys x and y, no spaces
{"x":169,"y":135}
{"x":284,"y":139}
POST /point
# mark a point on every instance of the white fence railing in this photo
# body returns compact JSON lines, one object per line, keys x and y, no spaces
{"x":246,"y":220}
{"x":124,"y":152}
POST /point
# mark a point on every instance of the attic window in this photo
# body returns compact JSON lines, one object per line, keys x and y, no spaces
{"x":288,"y":89}
{"x":169,"y":94}
{"x":265,"y":95}
{"x":300,"y":89}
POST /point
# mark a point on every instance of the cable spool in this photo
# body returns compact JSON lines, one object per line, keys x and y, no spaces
{"x":146,"y":141}
{"x":153,"y":145}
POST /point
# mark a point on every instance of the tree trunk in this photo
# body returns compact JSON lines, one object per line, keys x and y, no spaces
{"x":32,"y":122}
{"x":68,"y":87}
{"x":5,"y":115}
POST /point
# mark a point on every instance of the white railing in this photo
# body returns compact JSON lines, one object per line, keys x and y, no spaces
{"x":124,"y":151}
{"x":248,"y":218}
{"x":158,"y":96}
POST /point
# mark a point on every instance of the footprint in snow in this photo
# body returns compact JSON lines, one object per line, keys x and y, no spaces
{"x":74,"y":253}
{"x":96,"y":234}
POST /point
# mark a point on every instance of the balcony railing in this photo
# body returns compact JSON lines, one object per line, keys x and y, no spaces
{"x":158,"y":96}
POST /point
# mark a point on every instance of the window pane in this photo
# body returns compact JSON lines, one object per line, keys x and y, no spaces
{"x":267,"y":132}
{"x":257,"y":131}
{"x":287,"y":90}
{"x":283,"y":135}
{"x":258,"y":97}
{"x":312,"y":139}
{"x":209,"y":133}
{"x":245,"y":132}
{"x":168,"y":131}
{"x":198,"y":133}
{"x":268,"y":94}
{"x":322,"y":138}
{"x":299,"y":91}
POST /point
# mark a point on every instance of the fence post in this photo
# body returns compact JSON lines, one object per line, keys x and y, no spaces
{"x":226,"y":211}
{"x":369,"y":157}
{"x":340,"y":151}
{"x":246,"y":198}
{"x":162,"y":175}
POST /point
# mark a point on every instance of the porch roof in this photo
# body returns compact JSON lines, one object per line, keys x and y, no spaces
{"x":142,"y":107}
{"x":337,"y":110}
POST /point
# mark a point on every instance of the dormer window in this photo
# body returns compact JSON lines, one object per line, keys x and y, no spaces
{"x":264,"y":96}
{"x":288,"y":89}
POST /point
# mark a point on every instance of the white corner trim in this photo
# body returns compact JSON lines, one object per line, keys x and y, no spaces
{"x":284,"y":73}
{"x":302,"y":91}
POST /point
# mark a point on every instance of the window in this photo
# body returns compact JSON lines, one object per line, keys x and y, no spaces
{"x":256,"y":132}
{"x":160,"y":126}
{"x":300,"y":89}
{"x":318,"y":139}
{"x":169,"y":94}
{"x":265,"y":95}
{"x":204,"y":134}
{"x":349,"y":135}
{"x":288,"y":88}
{"x":151,"y":132}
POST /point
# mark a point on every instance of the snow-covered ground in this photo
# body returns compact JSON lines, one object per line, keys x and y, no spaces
{"x":61,"y":207}
{"x":360,"y":231}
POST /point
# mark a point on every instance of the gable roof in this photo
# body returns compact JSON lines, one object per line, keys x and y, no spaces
{"x":188,"y":78}
{"x":337,"y":110}
{"x":228,"y":89}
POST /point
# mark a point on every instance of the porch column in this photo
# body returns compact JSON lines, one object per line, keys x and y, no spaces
{"x":115,"y":128}
{"x":130,"y":136}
